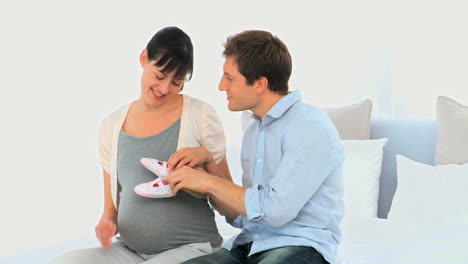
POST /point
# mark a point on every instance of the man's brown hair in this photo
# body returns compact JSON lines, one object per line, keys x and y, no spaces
{"x":260,"y":54}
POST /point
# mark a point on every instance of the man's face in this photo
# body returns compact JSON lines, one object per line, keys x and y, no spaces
{"x":240,"y":95}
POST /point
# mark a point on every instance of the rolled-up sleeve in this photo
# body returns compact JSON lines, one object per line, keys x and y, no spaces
{"x":212,"y":132}
{"x":239,"y":222}
{"x":308,"y":158}
{"x":105,"y":144}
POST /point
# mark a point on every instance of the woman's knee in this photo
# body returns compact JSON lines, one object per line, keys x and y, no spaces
{"x":94,"y":255}
{"x":76,"y":256}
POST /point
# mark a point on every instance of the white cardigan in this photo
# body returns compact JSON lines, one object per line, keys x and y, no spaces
{"x":199,"y":126}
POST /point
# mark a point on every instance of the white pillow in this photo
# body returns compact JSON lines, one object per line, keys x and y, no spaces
{"x":361,"y":175}
{"x":430,"y":193}
{"x":452,"y":132}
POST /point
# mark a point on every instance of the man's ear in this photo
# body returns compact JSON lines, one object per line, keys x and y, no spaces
{"x":143,"y":57}
{"x":261,"y":84}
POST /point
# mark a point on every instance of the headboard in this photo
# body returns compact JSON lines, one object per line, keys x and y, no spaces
{"x":414,"y":138}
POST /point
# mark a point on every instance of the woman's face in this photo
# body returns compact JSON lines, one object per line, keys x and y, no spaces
{"x":157,"y":87}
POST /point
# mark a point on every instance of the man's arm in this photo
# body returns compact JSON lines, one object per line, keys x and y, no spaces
{"x":221,"y":170}
{"x":304,"y":166}
{"x":227,"y":196}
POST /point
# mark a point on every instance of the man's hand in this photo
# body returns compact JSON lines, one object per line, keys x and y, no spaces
{"x":189,"y":179}
{"x":190,"y":157}
{"x":228,"y":197}
{"x":105,"y":231}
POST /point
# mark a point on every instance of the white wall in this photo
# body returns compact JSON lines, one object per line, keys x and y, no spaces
{"x":64,"y":66}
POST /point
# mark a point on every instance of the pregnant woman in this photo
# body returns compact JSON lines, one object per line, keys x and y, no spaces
{"x":165,"y":125}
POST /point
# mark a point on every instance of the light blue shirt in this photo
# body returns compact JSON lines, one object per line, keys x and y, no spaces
{"x":292,"y":162}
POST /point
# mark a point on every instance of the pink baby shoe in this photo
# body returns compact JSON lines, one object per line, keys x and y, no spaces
{"x":157,"y":188}
{"x":156,"y":166}
{"x":154,"y":189}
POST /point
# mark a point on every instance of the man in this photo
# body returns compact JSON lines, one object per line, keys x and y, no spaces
{"x":290,"y":205}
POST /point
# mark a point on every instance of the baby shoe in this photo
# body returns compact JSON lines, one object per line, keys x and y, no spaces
{"x":156,"y":166}
{"x":159,"y":168}
{"x":154,"y":189}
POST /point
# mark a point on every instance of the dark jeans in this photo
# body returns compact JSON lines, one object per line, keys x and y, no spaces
{"x":282,"y":255}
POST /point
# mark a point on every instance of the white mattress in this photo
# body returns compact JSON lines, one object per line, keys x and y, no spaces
{"x":43,"y":255}
{"x":365,"y":241}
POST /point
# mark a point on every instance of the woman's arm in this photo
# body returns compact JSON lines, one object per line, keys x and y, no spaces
{"x":221,"y":169}
{"x":109,"y":208}
{"x":107,"y":226}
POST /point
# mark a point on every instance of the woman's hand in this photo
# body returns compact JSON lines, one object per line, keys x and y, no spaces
{"x":105,"y":231}
{"x":190,"y":157}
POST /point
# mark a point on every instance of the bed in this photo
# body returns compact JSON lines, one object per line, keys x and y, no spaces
{"x":383,"y":241}
{"x":365,"y":240}
{"x":410,"y":240}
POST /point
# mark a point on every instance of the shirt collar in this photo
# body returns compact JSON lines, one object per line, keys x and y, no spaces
{"x":284,"y":104}
{"x":280,"y":107}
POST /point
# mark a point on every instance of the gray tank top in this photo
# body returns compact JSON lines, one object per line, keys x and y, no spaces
{"x":153,"y":225}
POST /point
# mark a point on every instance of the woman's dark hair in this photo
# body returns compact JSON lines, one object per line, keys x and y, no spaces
{"x":172,"y":48}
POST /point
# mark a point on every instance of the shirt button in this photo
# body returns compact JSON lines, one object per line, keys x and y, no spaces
{"x":259,"y":160}
{"x":256,"y":236}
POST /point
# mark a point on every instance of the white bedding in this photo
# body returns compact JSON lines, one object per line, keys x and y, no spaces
{"x":365,"y":241}
{"x":44,"y":254}
{"x":370,"y":241}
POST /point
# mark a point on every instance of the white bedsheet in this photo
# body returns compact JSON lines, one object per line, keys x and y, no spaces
{"x":370,"y":241}
{"x":43,"y":255}
{"x":365,"y":241}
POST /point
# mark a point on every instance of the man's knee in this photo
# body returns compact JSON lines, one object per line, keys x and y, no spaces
{"x":292,"y":254}
{"x":222,"y":256}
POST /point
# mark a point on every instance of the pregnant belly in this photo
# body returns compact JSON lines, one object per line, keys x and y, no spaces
{"x":151,"y":226}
